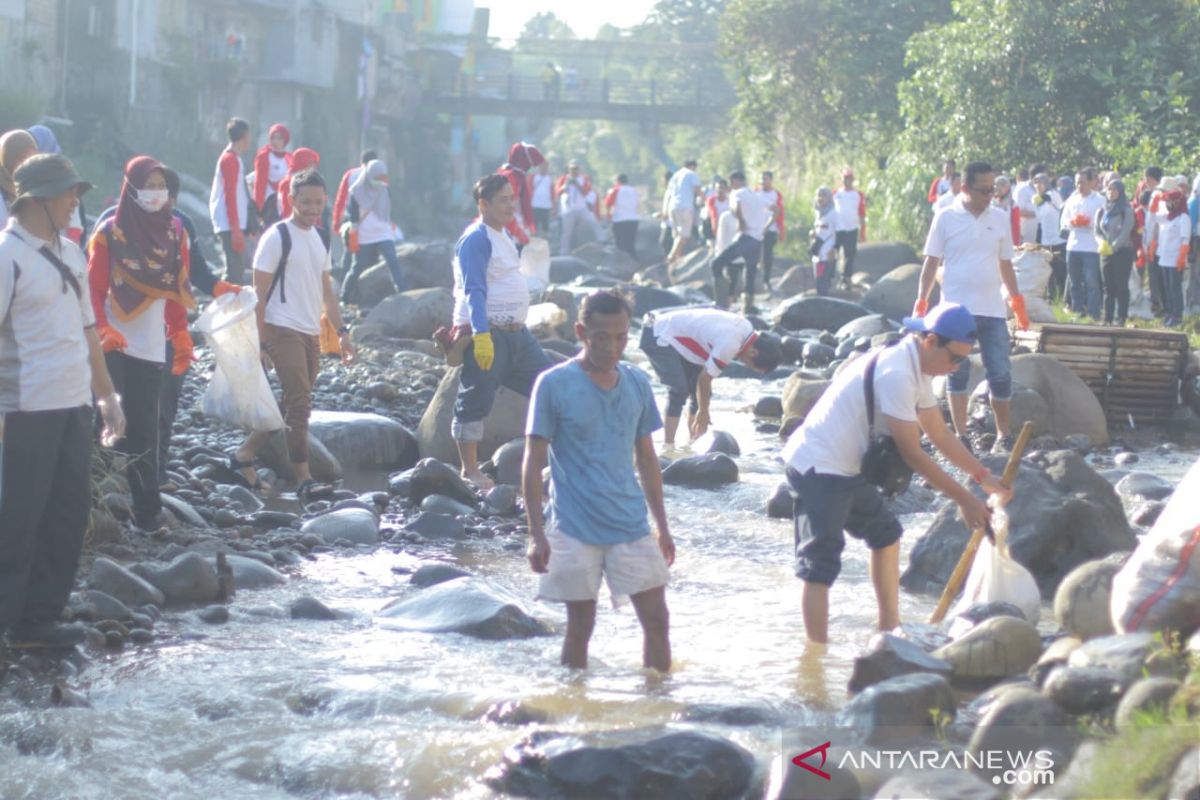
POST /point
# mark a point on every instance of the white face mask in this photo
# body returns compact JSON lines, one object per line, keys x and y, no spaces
{"x":151,"y":200}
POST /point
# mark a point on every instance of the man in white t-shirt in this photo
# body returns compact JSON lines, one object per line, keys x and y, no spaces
{"x":754,"y":217}
{"x":972,"y":241}
{"x":292,"y":279}
{"x":824,"y":461}
{"x":1023,"y":196}
{"x":541,"y":192}
{"x":621,"y":203}
{"x":850,"y":223}
{"x":1083,"y":248}
{"x":679,"y":206}
{"x":947,"y":198}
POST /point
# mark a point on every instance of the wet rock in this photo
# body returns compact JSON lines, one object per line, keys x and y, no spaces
{"x":869,"y":326}
{"x":994,"y":649}
{"x":1074,"y":409}
{"x":189,"y":578}
{"x":1062,"y":514}
{"x":652,"y":298}
{"x":1144,"y":486}
{"x":1146,"y":514}
{"x":800,"y":394}
{"x":355,"y":525}
{"x":141,"y":636}
{"x":781,"y":503}
{"x":517,"y":713}
{"x":624,"y":764}
{"x":889,"y":656}
{"x":899,"y":709}
{"x":437,"y":526}
{"x":770,"y":407}
{"x":470,"y":606}
{"x":268,"y":520}
{"x":939,"y":785}
{"x":1185,"y":782}
{"x":1126,"y":653}
{"x":1081,"y":604}
{"x":224,"y":518}
{"x":1126,"y":459}
{"x":1085,"y":690}
{"x":106,"y":606}
{"x":414,"y":314}
{"x":182,"y":511}
{"x":116,"y":581}
{"x":787,"y":781}
{"x":791,"y":350}
{"x":701,"y":472}
{"x":717,"y":442}
{"x":1022,"y":720}
{"x":249,"y":573}
{"x":432,"y":574}
{"x":431,"y":476}
{"x":501,"y":499}
{"x":214,"y":615}
{"x":440,"y":504}
{"x":1053,"y":657}
{"x":822,"y":313}
{"x":748,"y":714}
{"x":877,"y":259}
{"x":1025,"y":405}
{"x":1148,"y":694}
{"x":978,"y":612}
{"x":321,"y":462}
{"x":365,"y":441}
{"x":311,"y":608}
{"x":248,"y":500}
{"x":564,"y":269}
{"x":817,"y":355}
{"x":893,"y":294}
{"x":789,"y":425}
{"x":508,"y":460}
{"x":923,"y":635}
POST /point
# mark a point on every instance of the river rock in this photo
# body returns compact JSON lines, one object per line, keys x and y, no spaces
{"x":797,"y":280}
{"x":508,"y":460}
{"x":564,"y":269}
{"x":624,"y":764}
{"x":440,"y":504}
{"x":978,"y":612}
{"x":1144,"y":515}
{"x":1147,"y":694}
{"x":716,"y":442}
{"x":364,"y":441}
{"x":501,"y":499}
{"x":107,"y":606}
{"x":816,"y":355}
{"x":373,"y":285}
{"x":746,"y":714}
{"x":426,"y":264}
{"x":355,"y":525}
{"x":321,"y":462}
{"x":877,"y":259}
{"x":1081,"y":604}
{"x":822,"y":313}
{"x":1144,"y":486}
{"x":801,"y":394}
{"x":701,"y":472}
{"x":214,"y":615}
{"x":651,"y":298}
{"x":888,"y":656}
{"x":1022,"y":720}
{"x":414,"y":314}
{"x":895,"y":292}
{"x":1025,"y":405}
{"x":1185,"y":782}
{"x":437,"y":526}
{"x":995,"y":649}
{"x":471,"y":606}
{"x":182,"y":510}
{"x":1053,"y":657}
{"x":116,"y":581}
{"x":1062,"y":514}
{"x":307,"y":607}
{"x":897,"y":710}
{"x":869,"y":326}
{"x":431,"y":476}
{"x":248,"y":500}
{"x":787,"y":781}
{"x":1125,"y":653}
{"x":1074,"y":408}
{"x":250,"y":573}
{"x":428,"y":575}
{"x":780,"y":504}
{"x":939,"y":784}
{"x":770,"y":407}
{"x":190,"y":578}
{"x":1085,"y":690}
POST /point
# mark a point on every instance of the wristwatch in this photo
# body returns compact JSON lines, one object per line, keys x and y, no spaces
{"x":343,"y":329}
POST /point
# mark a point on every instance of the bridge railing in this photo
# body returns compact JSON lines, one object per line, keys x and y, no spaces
{"x":531,"y":88}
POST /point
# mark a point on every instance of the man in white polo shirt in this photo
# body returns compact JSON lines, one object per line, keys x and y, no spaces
{"x":850,"y":222}
{"x":754,"y":217}
{"x":679,"y":206}
{"x":972,"y":240}
{"x":824,"y":459}
{"x":51,"y":365}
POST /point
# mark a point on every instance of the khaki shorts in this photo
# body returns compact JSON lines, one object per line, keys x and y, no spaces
{"x":575,"y":568}
{"x":683,"y":220}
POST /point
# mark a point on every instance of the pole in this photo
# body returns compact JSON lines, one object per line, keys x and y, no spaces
{"x":65,"y":21}
{"x":133,"y":50}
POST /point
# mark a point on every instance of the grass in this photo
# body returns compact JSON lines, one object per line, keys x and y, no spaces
{"x":1190,"y":326}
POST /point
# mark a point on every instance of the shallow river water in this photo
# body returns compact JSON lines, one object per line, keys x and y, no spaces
{"x":268,"y":707}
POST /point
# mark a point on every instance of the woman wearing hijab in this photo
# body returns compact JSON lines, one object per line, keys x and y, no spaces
{"x":47,"y":142}
{"x":1169,"y":251}
{"x":1114,"y":228}
{"x":371,"y":212}
{"x":1003,"y":199}
{"x":15,"y":147}
{"x":823,"y":239}
{"x":522,"y":157}
{"x":271,"y":165}
{"x":138,"y":265}
{"x":302,"y":159}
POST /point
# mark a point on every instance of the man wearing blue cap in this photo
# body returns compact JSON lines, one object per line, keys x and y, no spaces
{"x":824,"y":458}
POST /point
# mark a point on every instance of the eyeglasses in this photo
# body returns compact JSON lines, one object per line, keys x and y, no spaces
{"x":985,"y":191}
{"x":955,"y":358}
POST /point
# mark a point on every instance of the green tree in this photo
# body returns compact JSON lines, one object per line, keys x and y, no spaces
{"x":546,"y":25}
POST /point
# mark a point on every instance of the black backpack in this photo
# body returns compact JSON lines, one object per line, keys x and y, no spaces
{"x":285,"y":244}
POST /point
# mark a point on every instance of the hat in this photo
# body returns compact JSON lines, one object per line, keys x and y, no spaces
{"x":1170,"y":183}
{"x":949,"y":320}
{"x":847,"y":173}
{"x":46,"y":175}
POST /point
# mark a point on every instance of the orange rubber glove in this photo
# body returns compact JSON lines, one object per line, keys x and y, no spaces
{"x":1017,"y":301}
{"x":1140,"y":263}
{"x":110,"y":338}
{"x":329,"y":340}
{"x":184,"y":354}
{"x":1081,"y":220}
{"x":1181,"y":262}
{"x":237,"y":241}
{"x":921,"y":307}
{"x":224,"y":287}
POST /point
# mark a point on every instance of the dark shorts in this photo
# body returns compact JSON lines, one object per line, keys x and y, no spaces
{"x":679,"y":376}
{"x":828,"y":507}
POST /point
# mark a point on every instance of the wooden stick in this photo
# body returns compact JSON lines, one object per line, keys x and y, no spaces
{"x":968,"y":557}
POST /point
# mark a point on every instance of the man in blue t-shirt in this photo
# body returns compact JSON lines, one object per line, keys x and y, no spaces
{"x":591,"y":416}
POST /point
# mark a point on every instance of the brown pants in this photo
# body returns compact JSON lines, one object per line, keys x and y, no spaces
{"x":297,"y":358}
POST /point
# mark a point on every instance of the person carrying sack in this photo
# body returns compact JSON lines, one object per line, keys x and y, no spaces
{"x":844,"y":453}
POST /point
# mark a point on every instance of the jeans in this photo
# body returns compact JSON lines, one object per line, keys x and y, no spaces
{"x":625,"y":234}
{"x":139,"y":383}
{"x":1172,"y":280}
{"x":1084,"y":272}
{"x":519,"y":359}
{"x":678,"y":375}
{"x":235,"y":263}
{"x":770,"y":239}
{"x":1116,"y":270}
{"x":745,"y":247}
{"x":366,"y":257}
{"x":993,"y":349}
{"x":847,"y":242}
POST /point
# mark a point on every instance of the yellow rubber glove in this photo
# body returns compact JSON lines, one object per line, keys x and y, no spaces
{"x":485,"y":351}
{"x":1105,"y":248}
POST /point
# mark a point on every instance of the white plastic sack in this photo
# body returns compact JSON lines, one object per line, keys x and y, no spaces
{"x":1033,"y":273}
{"x":535,"y":264}
{"x":1139,"y":297}
{"x":543,"y":318}
{"x":238,"y":392}
{"x":995,"y":576}
{"x":1159,"y":586}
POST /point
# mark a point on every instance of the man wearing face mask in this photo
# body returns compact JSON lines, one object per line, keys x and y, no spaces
{"x":138,"y":265}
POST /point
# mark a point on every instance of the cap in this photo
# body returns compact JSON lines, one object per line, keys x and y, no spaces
{"x":847,"y":173}
{"x":46,"y":175}
{"x":950,"y":320}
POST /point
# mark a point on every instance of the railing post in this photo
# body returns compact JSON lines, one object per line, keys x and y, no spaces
{"x":604,"y":91}
{"x":512,"y":87}
{"x":652,"y":92}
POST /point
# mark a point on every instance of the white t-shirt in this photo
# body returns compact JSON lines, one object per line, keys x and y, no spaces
{"x":755,"y":213}
{"x":971,"y":249}
{"x":849,"y":205}
{"x":303,"y":278}
{"x":824,"y":230}
{"x":625,"y":206}
{"x":1173,"y":236}
{"x":774,"y":201}
{"x":44,"y":362}
{"x":1049,"y":220}
{"x":373,"y":229}
{"x":835,"y":434}
{"x":727,"y":232}
{"x":707,"y":337}
{"x":945,"y":199}
{"x":507,"y":289}
{"x":1082,"y":238}
{"x":1024,"y":198}
{"x":572,"y":197}
{"x":542,"y":196}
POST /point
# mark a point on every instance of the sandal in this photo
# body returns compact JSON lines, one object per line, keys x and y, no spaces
{"x":312,"y":489}
{"x":236,"y":468}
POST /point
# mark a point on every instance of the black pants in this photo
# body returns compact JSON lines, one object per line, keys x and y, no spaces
{"x":1058,"y":271}
{"x":44,"y":504}
{"x":1158,"y":290}
{"x":770,"y":239}
{"x":747,"y":248}
{"x":847,"y":242}
{"x":235,"y":263}
{"x":139,"y":383}
{"x":541,"y":218}
{"x":168,"y":409}
{"x":666,"y":239}
{"x":625,"y":234}
{"x":1116,"y":270}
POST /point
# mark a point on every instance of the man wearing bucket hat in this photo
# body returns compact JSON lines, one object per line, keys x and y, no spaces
{"x":51,"y":366}
{"x":825,"y":460}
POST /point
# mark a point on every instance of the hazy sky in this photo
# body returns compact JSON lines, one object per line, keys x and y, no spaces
{"x":508,"y":17}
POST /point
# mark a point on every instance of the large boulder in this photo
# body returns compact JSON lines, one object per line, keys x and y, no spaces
{"x":995,"y":649}
{"x":250,"y":573}
{"x":564,"y":269}
{"x":414,"y":314}
{"x":797,"y":280}
{"x":1025,"y":405}
{"x":374,"y":285}
{"x":1073,"y":407}
{"x":1062,"y":514}
{"x":321,"y":463}
{"x":624,"y":764}
{"x":426,"y":264}
{"x":509,"y":459}
{"x":899,"y":709}
{"x":190,"y":578}
{"x":354,"y":525}
{"x":505,"y":422}
{"x":877,"y":259}
{"x":694,"y":267}
{"x":471,"y":606}
{"x":1081,"y":604}
{"x":701,"y":472}
{"x":819,"y":313}
{"x":651,"y":298}
{"x":894,"y":294}
{"x":889,"y":656}
{"x":433,"y":477}
{"x":1021,"y":720}
{"x":869,"y":327}
{"x":115,"y":581}
{"x":364,"y":441}
{"x":801,"y":394}
{"x":607,"y":260}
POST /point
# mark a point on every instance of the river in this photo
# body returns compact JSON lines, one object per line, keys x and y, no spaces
{"x":269,"y":707}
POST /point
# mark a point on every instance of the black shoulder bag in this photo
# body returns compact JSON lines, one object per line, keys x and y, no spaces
{"x":882,"y":464}
{"x":285,"y":250}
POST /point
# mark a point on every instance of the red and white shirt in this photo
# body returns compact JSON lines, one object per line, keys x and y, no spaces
{"x":622,"y":203}
{"x":774,"y":201}
{"x":716,"y":207}
{"x":850,"y":209}
{"x":228,"y":201}
{"x":707,"y":337}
